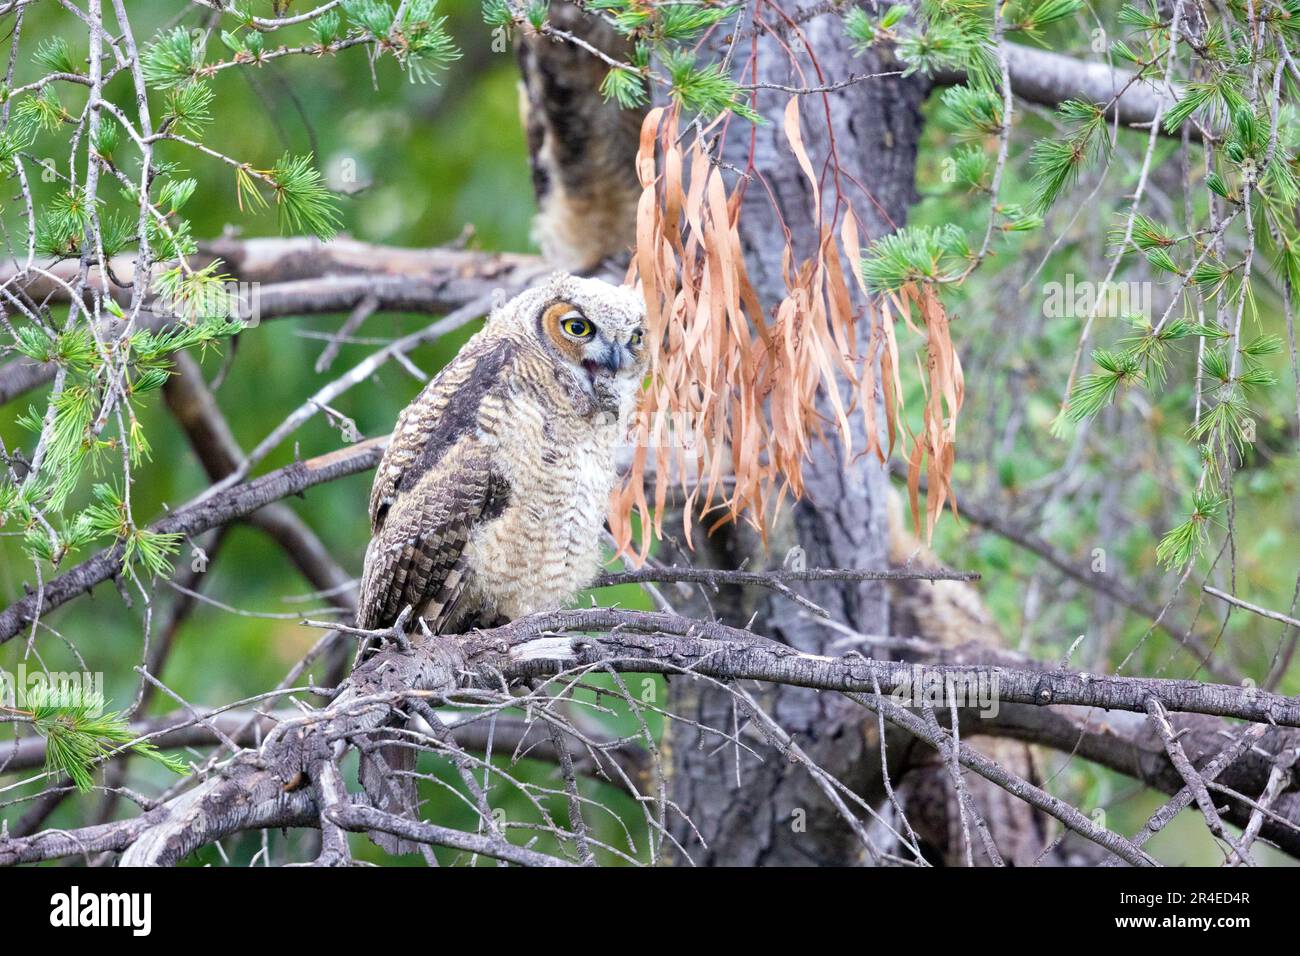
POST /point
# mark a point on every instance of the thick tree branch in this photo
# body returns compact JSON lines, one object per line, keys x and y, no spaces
{"x":1049,"y":79}
{"x":299,"y":276}
{"x":665,"y":643}
{"x":266,"y":787}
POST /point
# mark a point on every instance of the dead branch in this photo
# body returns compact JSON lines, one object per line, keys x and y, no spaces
{"x":268,"y":786}
{"x":295,"y":277}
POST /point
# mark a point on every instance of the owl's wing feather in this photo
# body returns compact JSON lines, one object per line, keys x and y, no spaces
{"x":435,"y":485}
{"x":449,"y":407}
{"x":416,"y":557}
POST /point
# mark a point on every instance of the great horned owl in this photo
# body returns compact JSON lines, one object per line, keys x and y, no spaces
{"x":489,"y":501}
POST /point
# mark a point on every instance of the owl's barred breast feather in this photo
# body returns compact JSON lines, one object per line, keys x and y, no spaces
{"x":545,"y":545}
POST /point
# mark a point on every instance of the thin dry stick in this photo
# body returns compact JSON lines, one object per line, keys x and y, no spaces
{"x":1195,"y":782}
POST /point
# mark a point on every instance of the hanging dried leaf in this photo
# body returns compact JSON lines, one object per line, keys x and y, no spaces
{"x":731,"y":410}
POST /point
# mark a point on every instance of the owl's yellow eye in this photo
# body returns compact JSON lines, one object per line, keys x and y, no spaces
{"x":635,"y":341}
{"x":578,"y":328}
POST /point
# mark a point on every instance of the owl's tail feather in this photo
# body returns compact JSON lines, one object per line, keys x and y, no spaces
{"x":385,"y":775}
{"x":391,"y":787}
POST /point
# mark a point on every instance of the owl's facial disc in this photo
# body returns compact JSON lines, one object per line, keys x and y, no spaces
{"x":598,"y":357}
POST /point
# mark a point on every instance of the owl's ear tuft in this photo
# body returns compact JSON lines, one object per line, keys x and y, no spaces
{"x":500,"y":306}
{"x":557,"y":284}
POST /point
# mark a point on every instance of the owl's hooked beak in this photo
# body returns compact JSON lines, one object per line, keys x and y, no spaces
{"x":614,"y":359}
{"x":611,"y":360}
{"x":603,"y":370}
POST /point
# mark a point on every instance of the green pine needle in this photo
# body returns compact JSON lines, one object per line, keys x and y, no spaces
{"x":306,"y":204}
{"x":202,"y":298}
{"x":1211,"y":277}
{"x":175,"y":193}
{"x":78,"y":734}
{"x":63,"y":227}
{"x":973,"y":166}
{"x":1097,"y":390}
{"x":424,"y":47}
{"x":106,"y":139}
{"x":1179,"y":547}
{"x":1162,"y":260}
{"x":944,"y":45}
{"x":188,"y":107}
{"x":55,"y":55}
{"x":625,"y":87}
{"x":153,"y":551}
{"x":1056,"y":164}
{"x":894,"y":15}
{"x":327,"y":28}
{"x":705,"y":90}
{"x":1147,"y":19}
{"x":1214,"y":364}
{"x":1123,"y":52}
{"x":972,"y":112}
{"x":860,"y":29}
{"x":373,"y":16}
{"x":233,"y":43}
{"x":915,"y":254}
{"x":1016,"y":218}
{"x":1220,"y":96}
{"x":176,"y":242}
{"x":1032,"y":18}
{"x":1208,"y":331}
{"x":1223,"y":425}
{"x":681,"y":22}
{"x":1267,"y":344}
{"x":1256,"y":377}
{"x":497,"y":13}
{"x":537,"y":13}
{"x":42,"y":112}
{"x":1147,"y":234}
{"x":173,"y":59}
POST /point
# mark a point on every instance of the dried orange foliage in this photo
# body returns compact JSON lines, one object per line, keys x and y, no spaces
{"x":934,"y":450}
{"x":731,"y":411}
